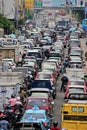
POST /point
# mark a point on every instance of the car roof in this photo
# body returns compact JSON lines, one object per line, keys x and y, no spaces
{"x":77,"y":101}
{"x":39,"y":95}
{"x":39,"y":89}
{"x":34,"y":111}
{"x":75,"y":86}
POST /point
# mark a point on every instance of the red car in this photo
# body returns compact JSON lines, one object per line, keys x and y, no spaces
{"x":42,"y":103}
{"x":74,"y":89}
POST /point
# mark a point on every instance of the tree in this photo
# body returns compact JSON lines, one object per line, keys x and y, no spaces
{"x":5,"y":23}
{"x":29,"y":14}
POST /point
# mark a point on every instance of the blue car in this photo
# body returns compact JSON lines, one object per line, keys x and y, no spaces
{"x":36,"y":118}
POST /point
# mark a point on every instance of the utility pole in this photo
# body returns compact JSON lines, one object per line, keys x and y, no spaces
{"x":16,"y":13}
{"x":2,"y":7}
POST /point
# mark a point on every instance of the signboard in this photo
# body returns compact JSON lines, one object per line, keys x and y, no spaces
{"x":47,"y":3}
{"x":29,"y":4}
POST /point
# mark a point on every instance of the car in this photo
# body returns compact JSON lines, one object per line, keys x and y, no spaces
{"x":45,"y":84}
{"x":37,"y":54}
{"x":50,"y":66}
{"x":57,"y":64}
{"x":32,"y":66}
{"x":75,"y":63}
{"x":75,"y":73}
{"x":46,"y":75}
{"x":76,"y":87}
{"x":40,"y":91}
{"x":77,"y":98}
{"x":41,"y":100}
{"x":71,"y":58}
{"x":43,"y":42}
{"x":35,"y":116}
{"x":8,"y":62}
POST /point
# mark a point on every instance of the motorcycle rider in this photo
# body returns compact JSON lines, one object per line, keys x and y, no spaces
{"x":55,"y":126}
{"x":18,"y":106}
{"x":64,"y":82}
{"x":4,"y":124}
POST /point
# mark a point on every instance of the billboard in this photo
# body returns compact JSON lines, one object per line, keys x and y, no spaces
{"x":58,"y":3}
{"x":47,"y":3}
{"x":38,"y":3}
{"x":29,"y":4}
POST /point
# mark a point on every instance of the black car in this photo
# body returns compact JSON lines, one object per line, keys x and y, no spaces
{"x":45,"y":84}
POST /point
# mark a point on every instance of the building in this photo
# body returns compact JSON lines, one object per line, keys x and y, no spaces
{"x":7,"y":8}
{"x":76,"y":3}
{"x":29,"y":4}
{"x":11,"y":9}
{"x":53,"y":3}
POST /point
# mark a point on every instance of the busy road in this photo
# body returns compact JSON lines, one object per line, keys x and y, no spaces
{"x":43,"y":70}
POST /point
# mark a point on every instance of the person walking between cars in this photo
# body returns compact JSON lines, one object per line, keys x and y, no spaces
{"x":55,"y":126}
{"x":64,"y":82}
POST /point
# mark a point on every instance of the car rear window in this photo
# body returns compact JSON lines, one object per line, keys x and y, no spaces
{"x":36,"y":54}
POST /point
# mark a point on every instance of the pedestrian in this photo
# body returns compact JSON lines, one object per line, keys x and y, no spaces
{"x":55,"y":126}
{"x":63,"y":69}
{"x":4,"y":124}
{"x":22,"y":94}
{"x":64,"y":82}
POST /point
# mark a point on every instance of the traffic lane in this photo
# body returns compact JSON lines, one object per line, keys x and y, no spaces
{"x":58,"y":102}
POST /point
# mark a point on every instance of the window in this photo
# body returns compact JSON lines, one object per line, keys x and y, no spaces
{"x":74,"y":109}
{"x":80,"y":109}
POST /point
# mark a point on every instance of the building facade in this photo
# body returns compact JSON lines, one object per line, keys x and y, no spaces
{"x":7,"y":8}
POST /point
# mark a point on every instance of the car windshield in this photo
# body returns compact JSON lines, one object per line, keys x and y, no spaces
{"x":38,"y":102}
{"x":72,"y":63}
{"x":29,"y":63}
{"x":34,"y":116}
{"x":61,"y":23}
{"x":36,"y":54}
{"x":42,"y":84}
{"x":75,"y":88}
{"x":54,"y":54}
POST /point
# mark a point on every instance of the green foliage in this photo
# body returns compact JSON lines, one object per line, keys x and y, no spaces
{"x":29,"y":14}
{"x":5,"y":23}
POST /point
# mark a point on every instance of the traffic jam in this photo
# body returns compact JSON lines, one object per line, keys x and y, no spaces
{"x":32,"y":63}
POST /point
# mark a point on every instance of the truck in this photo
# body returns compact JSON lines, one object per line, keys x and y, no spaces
{"x":74,"y":116}
{"x":11,"y":52}
{"x":10,"y":83}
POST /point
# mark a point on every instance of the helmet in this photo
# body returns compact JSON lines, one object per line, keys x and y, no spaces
{"x":12,"y":96}
{"x":55,"y":123}
{"x":18,"y":98}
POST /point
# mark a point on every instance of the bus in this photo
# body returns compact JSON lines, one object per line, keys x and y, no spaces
{"x":84,"y":24}
{"x":74,"y":116}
